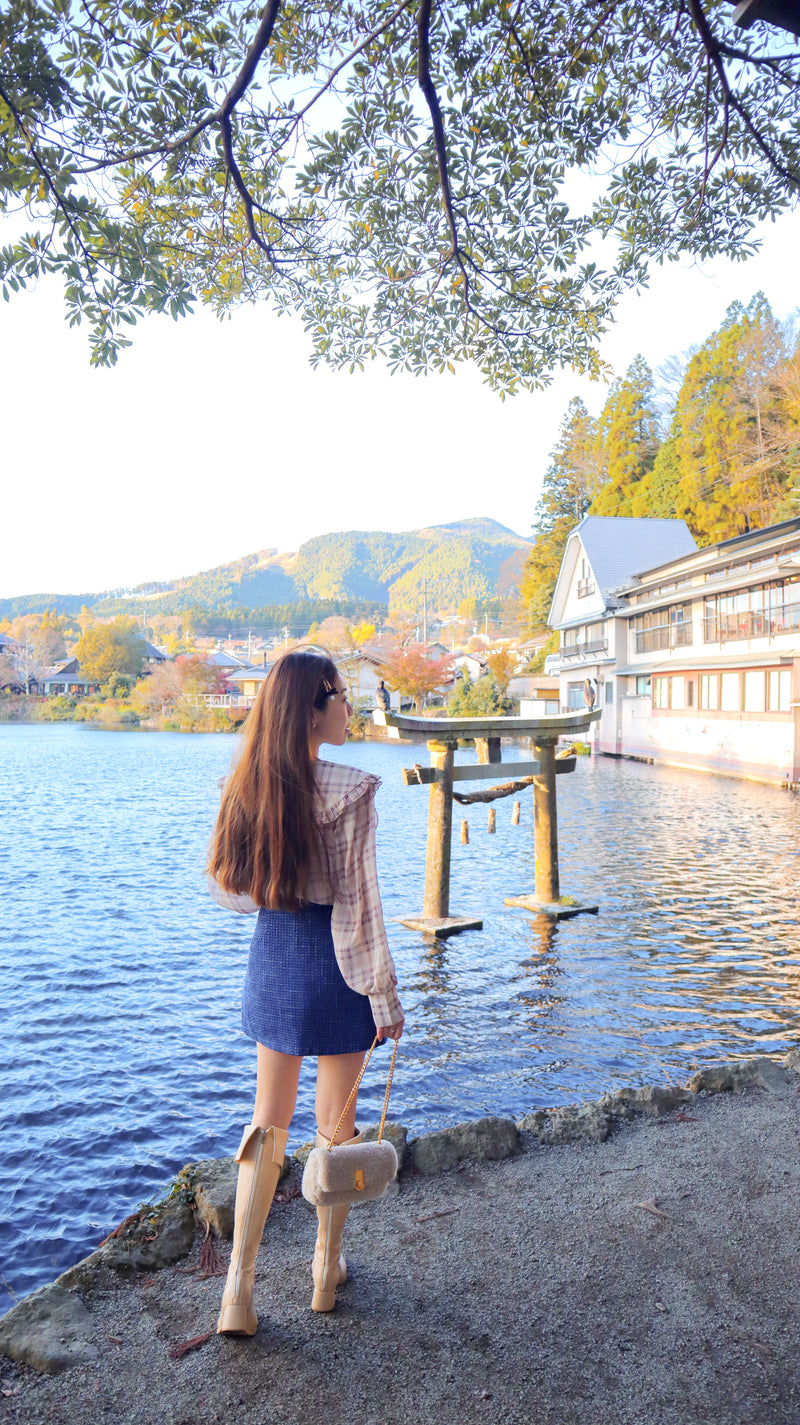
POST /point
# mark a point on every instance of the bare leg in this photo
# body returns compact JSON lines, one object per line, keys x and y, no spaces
{"x":276,"y":1088}
{"x":336,"y":1074}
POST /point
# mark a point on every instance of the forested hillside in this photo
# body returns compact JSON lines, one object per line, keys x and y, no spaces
{"x":714,"y":441}
{"x":469,"y":559}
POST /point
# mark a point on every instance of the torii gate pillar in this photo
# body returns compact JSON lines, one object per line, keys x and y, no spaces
{"x":436,"y":918}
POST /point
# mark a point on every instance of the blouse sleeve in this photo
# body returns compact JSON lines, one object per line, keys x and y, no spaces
{"x":231,"y":900}
{"x":359,"y":934}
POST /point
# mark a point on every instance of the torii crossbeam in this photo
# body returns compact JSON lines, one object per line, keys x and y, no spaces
{"x":442,"y":736}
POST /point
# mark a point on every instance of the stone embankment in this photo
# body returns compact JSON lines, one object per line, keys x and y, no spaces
{"x":633,"y":1258}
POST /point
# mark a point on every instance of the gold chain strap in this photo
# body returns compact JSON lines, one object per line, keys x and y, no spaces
{"x":355,"y":1089}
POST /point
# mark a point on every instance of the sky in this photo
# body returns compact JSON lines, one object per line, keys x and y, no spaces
{"x":210,"y":440}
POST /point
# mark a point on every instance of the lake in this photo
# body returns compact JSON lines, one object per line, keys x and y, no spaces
{"x":120,"y":978}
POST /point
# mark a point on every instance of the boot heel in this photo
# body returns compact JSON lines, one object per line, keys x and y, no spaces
{"x":237,"y":1321}
{"x":323,"y":1300}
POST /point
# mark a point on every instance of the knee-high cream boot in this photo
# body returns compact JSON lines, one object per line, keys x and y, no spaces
{"x":329,"y":1267}
{"x":260,"y":1157}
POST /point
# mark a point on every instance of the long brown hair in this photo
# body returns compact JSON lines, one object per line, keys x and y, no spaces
{"x":266,"y":826}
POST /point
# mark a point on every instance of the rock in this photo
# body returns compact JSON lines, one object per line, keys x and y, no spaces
{"x":160,"y":1238}
{"x":49,"y":1330}
{"x":394,"y":1133}
{"x":571,"y":1124}
{"x":654,"y":1100}
{"x":792,"y":1060}
{"x":534,"y":1122}
{"x":300,"y":1155}
{"x":487,"y":1138}
{"x":83,"y":1276}
{"x":212,"y":1184}
{"x":756,"y":1073}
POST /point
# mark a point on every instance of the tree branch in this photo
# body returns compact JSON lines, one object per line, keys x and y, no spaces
{"x":237,"y":90}
{"x":232,"y":167}
{"x":60,"y":201}
{"x":348,"y":59}
{"x":440,"y":145}
{"x":732,"y":100}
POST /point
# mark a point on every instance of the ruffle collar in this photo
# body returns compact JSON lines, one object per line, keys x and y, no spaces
{"x":339,"y":787}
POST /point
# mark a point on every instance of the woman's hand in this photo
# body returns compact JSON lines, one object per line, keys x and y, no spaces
{"x":390,"y":1031}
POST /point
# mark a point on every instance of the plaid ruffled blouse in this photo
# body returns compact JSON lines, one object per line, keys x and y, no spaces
{"x":347,"y":879}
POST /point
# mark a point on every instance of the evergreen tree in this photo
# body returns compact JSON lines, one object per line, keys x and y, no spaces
{"x":567,"y":491}
{"x":627,"y":439}
{"x":654,"y":496}
{"x":732,"y":427}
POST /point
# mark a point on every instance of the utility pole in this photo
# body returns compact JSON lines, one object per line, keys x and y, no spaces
{"x":425,"y":612}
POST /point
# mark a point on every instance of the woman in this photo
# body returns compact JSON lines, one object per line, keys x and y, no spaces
{"x":295,"y":841}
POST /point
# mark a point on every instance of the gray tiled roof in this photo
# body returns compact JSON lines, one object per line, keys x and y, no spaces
{"x":619,"y":548}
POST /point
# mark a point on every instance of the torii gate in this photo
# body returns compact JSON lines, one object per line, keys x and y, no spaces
{"x":442,"y":735}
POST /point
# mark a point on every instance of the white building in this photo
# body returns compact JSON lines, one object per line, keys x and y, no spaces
{"x":693,"y":654}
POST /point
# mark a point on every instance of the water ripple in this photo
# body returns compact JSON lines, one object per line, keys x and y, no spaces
{"x":121,"y":980}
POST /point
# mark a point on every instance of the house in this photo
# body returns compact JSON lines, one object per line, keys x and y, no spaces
{"x":538,"y":695}
{"x":469,"y":663}
{"x":693,"y":654}
{"x":65,"y":678}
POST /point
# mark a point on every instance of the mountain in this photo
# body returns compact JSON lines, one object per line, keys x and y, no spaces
{"x":469,"y":558}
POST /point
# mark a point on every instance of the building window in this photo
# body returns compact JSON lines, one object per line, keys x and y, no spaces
{"x":575,"y":696}
{"x":779,"y":689}
{"x":708,"y":691}
{"x":729,"y":692}
{"x":690,"y":693}
{"x":754,"y":691}
{"x":676,"y":692}
{"x":661,"y":692}
{"x":586,"y":638}
{"x":764,"y":611}
{"x":609,"y":692}
{"x":642,"y":686}
{"x":663,"y":628}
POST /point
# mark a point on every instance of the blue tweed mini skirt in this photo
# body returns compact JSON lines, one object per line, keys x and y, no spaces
{"x":295,"y":997}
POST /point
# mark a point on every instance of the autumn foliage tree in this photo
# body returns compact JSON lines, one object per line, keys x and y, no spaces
{"x":106,"y":648}
{"x":412,"y":673}
{"x":188,"y":676}
{"x":726,"y":460}
{"x":502,"y":665}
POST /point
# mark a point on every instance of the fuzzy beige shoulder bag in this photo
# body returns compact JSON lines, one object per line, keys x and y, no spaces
{"x":352,"y":1172}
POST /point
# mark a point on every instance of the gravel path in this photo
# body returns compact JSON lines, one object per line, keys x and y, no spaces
{"x":648,"y":1280}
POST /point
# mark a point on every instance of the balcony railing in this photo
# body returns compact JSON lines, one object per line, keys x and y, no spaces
{"x":218,"y":700}
{"x":752,"y":623}
{"x":575,"y":650}
{"x":664,"y":635}
{"x":585,"y":588}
